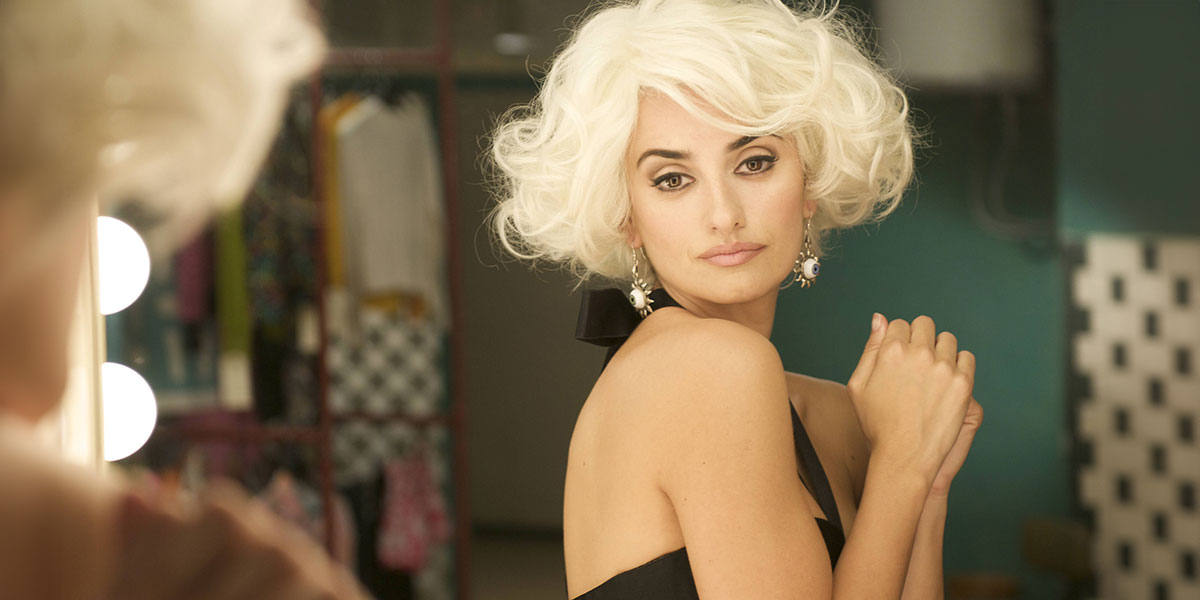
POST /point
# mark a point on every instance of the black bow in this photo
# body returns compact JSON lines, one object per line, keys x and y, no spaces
{"x":607,"y":318}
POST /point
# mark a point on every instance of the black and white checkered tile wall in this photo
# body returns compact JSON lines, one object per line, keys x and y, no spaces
{"x":1135,"y":346}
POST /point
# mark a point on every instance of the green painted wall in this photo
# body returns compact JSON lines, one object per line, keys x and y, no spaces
{"x":1004,"y":301}
{"x":1119,"y":154}
{"x":1129,"y":88}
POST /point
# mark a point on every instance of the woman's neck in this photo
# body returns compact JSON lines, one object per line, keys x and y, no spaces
{"x":757,"y":314}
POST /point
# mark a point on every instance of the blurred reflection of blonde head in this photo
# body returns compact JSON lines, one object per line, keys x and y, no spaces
{"x":170,"y":104}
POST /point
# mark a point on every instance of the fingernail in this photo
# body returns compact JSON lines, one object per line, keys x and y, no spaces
{"x":875,"y":321}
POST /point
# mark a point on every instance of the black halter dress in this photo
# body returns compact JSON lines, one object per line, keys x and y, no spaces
{"x":607,"y":319}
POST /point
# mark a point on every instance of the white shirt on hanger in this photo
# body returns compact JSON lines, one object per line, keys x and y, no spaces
{"x":393,"y":216}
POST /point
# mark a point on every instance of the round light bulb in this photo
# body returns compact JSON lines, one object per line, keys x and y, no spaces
{"x":129,"y":410}
{"x":124,"y":264}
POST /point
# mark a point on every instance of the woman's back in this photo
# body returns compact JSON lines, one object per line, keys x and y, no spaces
{"x":614,"y":510}
{"x":618,"y":514}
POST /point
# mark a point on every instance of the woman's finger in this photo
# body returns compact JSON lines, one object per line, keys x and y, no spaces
{"x":974,"y":414}
{"x":898,"y":330}
{"x":866,"y":363}
{"x":966,"y":363}
{"x":924,"y":332}
{"x":947,"y":347}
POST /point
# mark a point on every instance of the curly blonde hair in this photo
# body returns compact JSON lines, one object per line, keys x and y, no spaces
{"x":556,"y":163}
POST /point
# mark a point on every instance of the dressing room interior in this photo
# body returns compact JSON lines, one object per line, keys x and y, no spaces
{"x":351,"y":346}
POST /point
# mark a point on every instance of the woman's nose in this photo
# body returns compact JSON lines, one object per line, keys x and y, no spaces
{"x":725,"y":208}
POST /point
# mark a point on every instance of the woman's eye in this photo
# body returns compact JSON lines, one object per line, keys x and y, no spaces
{"x":671,"y":182}
{"x":758,"y":164}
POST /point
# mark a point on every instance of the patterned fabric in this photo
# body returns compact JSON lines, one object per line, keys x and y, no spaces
{"x":414,"y":516}
{"x":361,"y":448}
{"x":1135,"y":339}
{"x":389,"y":366}
{"x":280,"y":262}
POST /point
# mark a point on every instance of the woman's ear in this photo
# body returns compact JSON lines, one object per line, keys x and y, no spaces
{"x":632,"y":237}
{"x":810,"y":207}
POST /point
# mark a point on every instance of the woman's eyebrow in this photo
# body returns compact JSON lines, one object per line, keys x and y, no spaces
{"x":672,"y":154}
{"x":746,"y":140}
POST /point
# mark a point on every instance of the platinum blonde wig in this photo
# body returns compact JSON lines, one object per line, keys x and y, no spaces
{"x":171,"y":102}
{"x":557,"y":163}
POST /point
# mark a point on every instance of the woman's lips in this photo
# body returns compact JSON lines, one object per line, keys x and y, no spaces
{"x":732,"y":255}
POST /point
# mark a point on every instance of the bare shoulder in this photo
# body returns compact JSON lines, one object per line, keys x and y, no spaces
{"x":691,"y":364}
{"x":686,"y":387}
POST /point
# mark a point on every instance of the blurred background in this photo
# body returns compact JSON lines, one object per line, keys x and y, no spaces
{"x":349,"y":346}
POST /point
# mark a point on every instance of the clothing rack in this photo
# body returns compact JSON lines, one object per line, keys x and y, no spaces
{"x":438,"y":57}
{"x":438,"y":60}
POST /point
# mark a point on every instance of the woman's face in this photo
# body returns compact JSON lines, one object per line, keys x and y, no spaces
{"x":720,"y":216}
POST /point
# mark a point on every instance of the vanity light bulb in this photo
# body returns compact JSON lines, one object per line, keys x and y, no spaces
{"x":129,"y":410}
{"x":124,"y":264}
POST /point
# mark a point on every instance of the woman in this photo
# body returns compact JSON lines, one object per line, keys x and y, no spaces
{"x":696,"y":152}
{"x":175,"y":102}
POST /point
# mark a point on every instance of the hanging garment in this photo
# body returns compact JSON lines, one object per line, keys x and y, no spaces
{"x":414,"y":513}
{"x":361,"y":448}
{"x":193,"y":279}
{"x":392,"y":367}
{"x":391,"y":208}
{"x":339,"y":306}
{"x":233,"y":311}
{"x":327,"y":121}
{"x":366,"y":498}
{"x":279,"y":220}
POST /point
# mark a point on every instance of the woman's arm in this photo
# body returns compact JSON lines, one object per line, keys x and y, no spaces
{"x":875,"y":560}
{"x":924,"y":579}
{"x":730,"y":473}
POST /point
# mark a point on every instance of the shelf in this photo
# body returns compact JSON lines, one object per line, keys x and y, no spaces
{"x":411,"y":419}
{"x":242,"y":432}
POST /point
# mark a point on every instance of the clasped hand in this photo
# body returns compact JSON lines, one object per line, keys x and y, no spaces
{"x":912,"y":393}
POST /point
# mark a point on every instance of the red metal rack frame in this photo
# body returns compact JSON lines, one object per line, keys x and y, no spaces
{"x":440,"y":57}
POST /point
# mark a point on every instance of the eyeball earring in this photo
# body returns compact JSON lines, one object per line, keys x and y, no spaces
{"x":639,"y":296}
{"x":807,"y":265}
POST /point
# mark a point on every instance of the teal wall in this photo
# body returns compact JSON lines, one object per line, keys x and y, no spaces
{"x":1117,"y":153}
{"x":1129,"y":88}
{"x":1004,"y":301}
